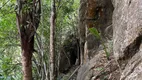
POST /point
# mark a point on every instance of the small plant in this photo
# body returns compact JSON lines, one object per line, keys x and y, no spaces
{"x":95,"y":32}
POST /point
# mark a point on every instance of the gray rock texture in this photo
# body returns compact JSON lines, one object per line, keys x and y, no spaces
{"x":126,"y":61}
{"x":133,"y":70}
{"x":99,"y":68}
{"x":126,"y":24}
{"x":127,"y":37}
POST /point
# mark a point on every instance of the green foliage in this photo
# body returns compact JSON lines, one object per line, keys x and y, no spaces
{"x":95,"y":32}
{"x":10,"y":67}
{"x":10,"y":54}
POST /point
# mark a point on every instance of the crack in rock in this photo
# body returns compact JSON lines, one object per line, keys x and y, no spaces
{"x":132,"y":49}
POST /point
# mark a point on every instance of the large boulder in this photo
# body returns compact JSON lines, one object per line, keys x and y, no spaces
{"x":133,"y":70}
{"x":127,"y":42}
{"x":127,"y":20}
{"x":127,"y":37}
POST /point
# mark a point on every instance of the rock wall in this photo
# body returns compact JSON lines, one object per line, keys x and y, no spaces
{"x":126,"y":25}
{"x":98,"y":14}
{"x":126,"y":59}
{"x":127,"y":37}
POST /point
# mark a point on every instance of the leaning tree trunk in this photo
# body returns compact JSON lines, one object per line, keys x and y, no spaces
{"x":28,"y":16}
{"x":52,"y":32}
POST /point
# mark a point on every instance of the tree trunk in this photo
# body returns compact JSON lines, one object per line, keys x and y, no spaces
{"x":52,"y":32}
{"x":27,"y":49}
{"x":28,"y":16}
{"x":82,"y":13}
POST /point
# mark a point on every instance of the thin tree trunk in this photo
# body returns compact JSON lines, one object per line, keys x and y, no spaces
{"x":27,"y":24}
{"x":82,"y":24}
{"x":52,"y":47}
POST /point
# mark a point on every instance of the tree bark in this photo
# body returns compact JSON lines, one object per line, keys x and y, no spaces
{"x":27,"y":49}
{"x":82,"y":24}
{"x":52,"y":46}
{"x":28,"y":17}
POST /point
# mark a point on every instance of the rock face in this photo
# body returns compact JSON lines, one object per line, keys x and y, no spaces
{"x":126,"y":25}
{"x":97,"y":14}
{"x":126,"y":60}
{"x":133,"y":70}
{"x":98,"y":68}
{"x":127,"y":37}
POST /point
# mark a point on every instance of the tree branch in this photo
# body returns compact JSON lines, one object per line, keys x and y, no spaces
{"x":4,"y":4}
